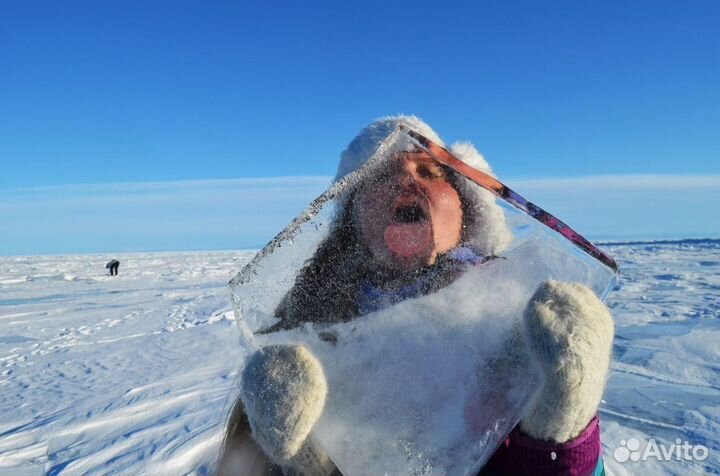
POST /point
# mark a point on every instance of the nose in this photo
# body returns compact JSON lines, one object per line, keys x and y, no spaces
{"x":407,"y":173}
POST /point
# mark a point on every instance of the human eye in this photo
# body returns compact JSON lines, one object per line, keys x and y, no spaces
{"x":431,"y":171}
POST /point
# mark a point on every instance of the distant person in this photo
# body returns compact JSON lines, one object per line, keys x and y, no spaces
{"x":113,"y":266}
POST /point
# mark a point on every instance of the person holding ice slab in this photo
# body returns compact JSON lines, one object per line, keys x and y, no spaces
{"x":420,"y":318}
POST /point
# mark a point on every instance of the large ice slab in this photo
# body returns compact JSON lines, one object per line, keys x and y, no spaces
{"x":422,"y":346}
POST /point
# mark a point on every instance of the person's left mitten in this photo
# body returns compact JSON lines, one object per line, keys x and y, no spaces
{"x":570,"y":332}
{"x":283,"y":390}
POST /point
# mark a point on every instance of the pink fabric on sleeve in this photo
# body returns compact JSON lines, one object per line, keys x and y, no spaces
{"x":522,"y":455}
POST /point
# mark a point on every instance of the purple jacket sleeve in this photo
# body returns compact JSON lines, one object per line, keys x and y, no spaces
{"x":522,"y":455}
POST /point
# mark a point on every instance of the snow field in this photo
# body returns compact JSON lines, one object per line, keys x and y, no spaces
{"x":132,"y":374}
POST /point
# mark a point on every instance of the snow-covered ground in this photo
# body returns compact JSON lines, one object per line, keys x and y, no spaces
{"x":115,"y":375}
{"x":665,"y":383}
{"x":131,"y":374}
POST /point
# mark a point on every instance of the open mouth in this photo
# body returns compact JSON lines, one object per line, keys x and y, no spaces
{"x":409,"y":235}
{"x":411,"y":213}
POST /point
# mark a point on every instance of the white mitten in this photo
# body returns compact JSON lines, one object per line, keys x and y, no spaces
{"x":283,"y":390}
{"x":570,"y":332}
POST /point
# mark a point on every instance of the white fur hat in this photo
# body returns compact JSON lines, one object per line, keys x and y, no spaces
{"x":486,"y":229}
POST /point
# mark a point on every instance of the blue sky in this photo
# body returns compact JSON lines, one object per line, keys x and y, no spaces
{"x":139,"y":93}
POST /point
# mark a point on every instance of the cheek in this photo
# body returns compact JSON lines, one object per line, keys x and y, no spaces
{"x":370,"y":212}
{"x":448,"y":216}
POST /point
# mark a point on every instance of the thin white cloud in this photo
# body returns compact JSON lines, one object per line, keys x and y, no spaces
{"x":242,"y":213}
{"x":650,"y":181}
{"x":620,"y":182}
{"x":178,"y":186}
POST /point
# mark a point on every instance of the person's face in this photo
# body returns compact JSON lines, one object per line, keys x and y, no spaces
{"x":411,"y":214}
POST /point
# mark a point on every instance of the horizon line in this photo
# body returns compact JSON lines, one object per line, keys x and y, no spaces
{"x":600,"y":242}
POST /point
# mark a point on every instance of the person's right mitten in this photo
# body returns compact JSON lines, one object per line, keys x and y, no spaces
{"x":283,"y":390}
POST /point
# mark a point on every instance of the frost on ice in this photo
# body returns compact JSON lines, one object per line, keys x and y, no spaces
{"x":408,"y":283}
